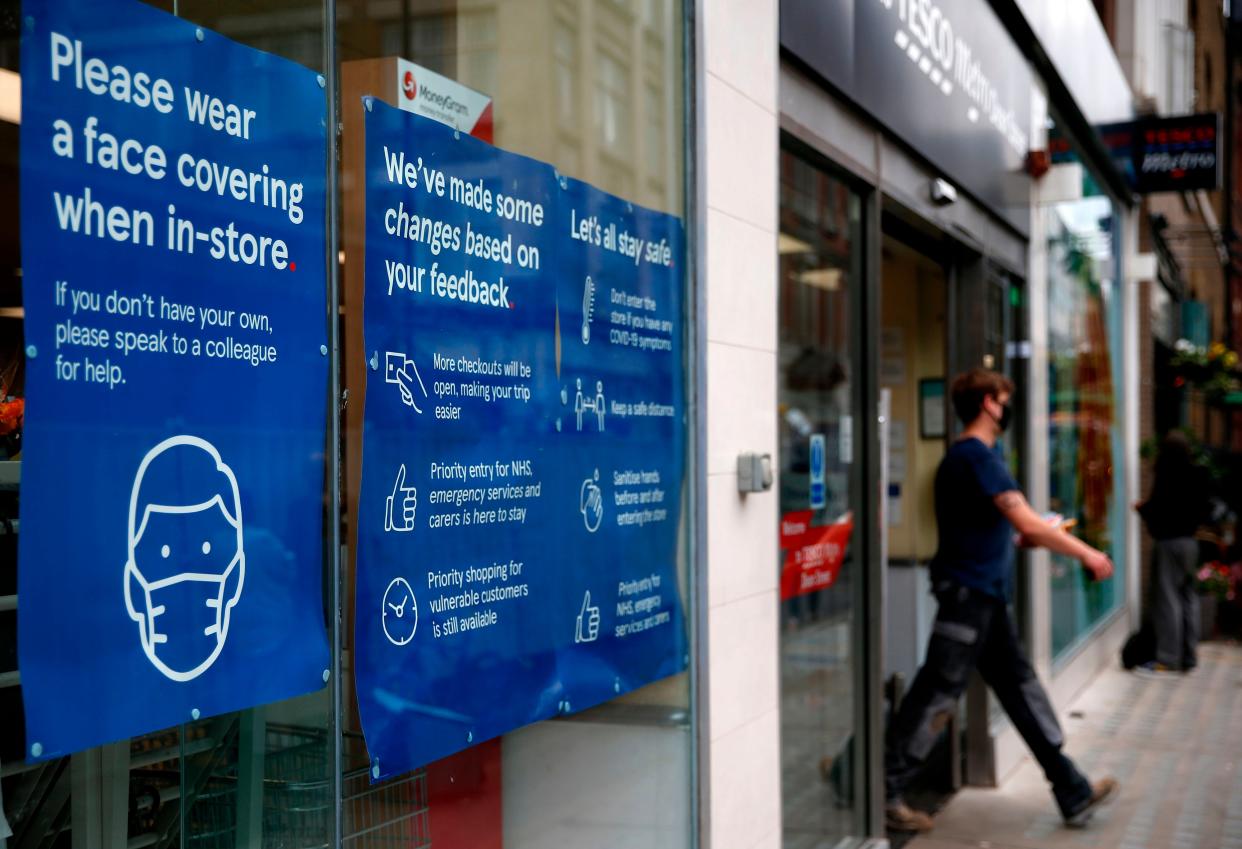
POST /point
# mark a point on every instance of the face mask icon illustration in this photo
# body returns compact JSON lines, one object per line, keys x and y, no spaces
{"x":186,"y":564}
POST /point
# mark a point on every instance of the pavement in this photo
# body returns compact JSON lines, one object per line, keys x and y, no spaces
{"x":1175,"y":746}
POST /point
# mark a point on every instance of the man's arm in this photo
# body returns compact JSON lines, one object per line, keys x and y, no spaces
{"x":1040,"y":534}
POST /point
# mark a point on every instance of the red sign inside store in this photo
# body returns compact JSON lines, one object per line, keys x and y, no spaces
{"x":813,"y":554}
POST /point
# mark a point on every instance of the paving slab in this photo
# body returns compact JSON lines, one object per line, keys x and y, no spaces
{"x":1174,"y":744}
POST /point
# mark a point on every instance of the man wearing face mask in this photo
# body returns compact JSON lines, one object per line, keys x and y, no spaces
{"x":978,"y":508}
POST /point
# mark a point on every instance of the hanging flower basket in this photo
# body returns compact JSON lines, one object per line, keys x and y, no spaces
{"x":1212,"y":369}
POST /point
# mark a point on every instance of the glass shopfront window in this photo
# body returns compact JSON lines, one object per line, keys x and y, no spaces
{"x":1086,"y":459}
{"x":596,"y":91}
{"x":822,"y":762}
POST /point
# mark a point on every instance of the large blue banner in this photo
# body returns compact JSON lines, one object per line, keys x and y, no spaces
{"x":172,"y":206}
{"x":523,"y":444}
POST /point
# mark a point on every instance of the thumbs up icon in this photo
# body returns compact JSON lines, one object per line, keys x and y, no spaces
{"x":400,"y":507}
{"x":588,"y":622}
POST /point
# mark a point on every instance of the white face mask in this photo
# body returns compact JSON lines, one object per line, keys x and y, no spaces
{"x":184,"y":575}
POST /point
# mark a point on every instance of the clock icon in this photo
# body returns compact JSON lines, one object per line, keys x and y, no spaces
{"x":399,"y":614}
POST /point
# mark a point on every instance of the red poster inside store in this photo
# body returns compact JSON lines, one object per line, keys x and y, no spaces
{"x":813,"y":555}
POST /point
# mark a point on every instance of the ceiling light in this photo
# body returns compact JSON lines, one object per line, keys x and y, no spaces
{"x":10,"y":96}
{"x":822,"y":278}
{"x":787,"y":244}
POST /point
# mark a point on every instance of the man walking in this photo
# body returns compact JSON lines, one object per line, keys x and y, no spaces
{"x":978,"y":507}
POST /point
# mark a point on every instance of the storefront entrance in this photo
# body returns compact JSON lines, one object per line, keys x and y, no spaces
{"x":913,"y":368}
{"x":944,"y":309}
{"x":857,"y":515}
{"x":821,"y":568}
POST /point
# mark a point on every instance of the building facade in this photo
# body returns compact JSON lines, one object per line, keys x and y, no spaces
{"x":873,"y":196}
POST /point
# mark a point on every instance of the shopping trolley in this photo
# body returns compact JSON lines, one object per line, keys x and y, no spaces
{"x":298,"y":804}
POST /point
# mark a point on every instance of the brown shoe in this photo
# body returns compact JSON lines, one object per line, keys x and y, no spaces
{"x":902,"y":817}
{"x":1102,"y":793}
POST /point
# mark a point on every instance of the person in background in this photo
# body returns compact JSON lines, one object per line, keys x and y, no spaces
{"x":1179,"y":503}
{"x":978,"y":508}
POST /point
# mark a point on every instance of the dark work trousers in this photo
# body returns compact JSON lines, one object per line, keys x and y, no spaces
{"x":1175,"y":601}
{"x":974,"y":629}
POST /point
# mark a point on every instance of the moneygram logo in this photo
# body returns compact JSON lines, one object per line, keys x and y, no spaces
{"x":408,"y":86}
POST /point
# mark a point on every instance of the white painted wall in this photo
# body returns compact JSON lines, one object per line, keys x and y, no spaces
{"x":1147,"y":50}
{"x":740,"y":169}
{"x":1071,"y":33}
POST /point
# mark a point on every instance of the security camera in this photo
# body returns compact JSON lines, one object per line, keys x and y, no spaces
{"x":942,"y":192}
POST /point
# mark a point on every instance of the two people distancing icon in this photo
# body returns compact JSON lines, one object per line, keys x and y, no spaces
{"x":585,"y":403}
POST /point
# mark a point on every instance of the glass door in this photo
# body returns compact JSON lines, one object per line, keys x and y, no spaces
{"x":822,"y":756}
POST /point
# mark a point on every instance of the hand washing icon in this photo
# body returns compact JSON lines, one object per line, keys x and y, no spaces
{"x":591,"y":503}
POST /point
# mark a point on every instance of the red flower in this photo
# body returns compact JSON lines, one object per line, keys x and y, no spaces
{"x":11,"y":413}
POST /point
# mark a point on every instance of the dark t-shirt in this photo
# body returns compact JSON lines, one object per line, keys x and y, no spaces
{"x":976,"y":540}
{"x":1179,"y":503}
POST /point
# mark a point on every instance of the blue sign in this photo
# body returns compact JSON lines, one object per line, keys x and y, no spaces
{"x":819,"y":496}
{"x":173,"y":259}
{"x":1158,"y":153}
{"x":523,"y":445}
